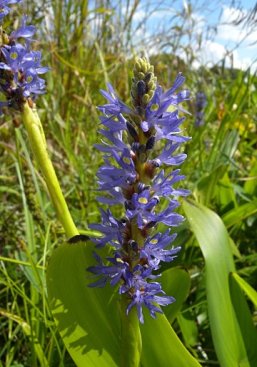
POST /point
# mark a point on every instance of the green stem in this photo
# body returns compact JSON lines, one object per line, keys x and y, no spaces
{"x":38,"y":143}
{"x":131,"y":342}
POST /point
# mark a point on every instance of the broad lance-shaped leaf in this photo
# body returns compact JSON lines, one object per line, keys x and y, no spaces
{"x":89,"y":319}
{"x":244,"y":317}
{"x":233,"y":336}
{"x":161,"y":345}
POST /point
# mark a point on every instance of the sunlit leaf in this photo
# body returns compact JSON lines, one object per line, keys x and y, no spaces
{"x":88,"y":319}
{"x":226,"y":331}
{"x":245,"y":320}
{"x":162,"y":347}
{"x":249,"y":291}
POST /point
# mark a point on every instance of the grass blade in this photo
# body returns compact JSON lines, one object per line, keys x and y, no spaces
{"x":249,"y":291}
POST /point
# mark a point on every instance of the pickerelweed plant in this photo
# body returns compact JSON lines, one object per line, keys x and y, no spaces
{"x":200,"y":104}
{"x":139,"y":147}
{"x":20,"y":84}
{"x":142,"y":149}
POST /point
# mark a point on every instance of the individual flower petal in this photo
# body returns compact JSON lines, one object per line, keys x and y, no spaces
{"x":24,"y":31}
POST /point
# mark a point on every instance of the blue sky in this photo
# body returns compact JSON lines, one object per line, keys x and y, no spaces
{"x":213,"y":48}
{"x":228,"y":35}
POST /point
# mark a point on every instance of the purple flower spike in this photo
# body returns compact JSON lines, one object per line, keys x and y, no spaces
{"x":4,"y":8}
{"x":20,"y":67}
{"x":200,"y":104}
{"x":134,"y":175}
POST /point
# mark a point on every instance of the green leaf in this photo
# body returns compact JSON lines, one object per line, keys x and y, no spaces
{"x":244,"y":317}
{"x":237,"y":215}
{"x":249,"y":291}
{"x":89,"y":318}
{"x":250,"y":185}
{"x":225,"y":192}
{"x":213,"y":239}
{"x":234,"y":248}
{"x":161,"y":345}
{"x":175,"y":282}
{"x":206,"y":185}
{"x":188,"y":328}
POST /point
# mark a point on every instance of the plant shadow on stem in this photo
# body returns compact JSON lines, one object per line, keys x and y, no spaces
{"x":87,"y":318}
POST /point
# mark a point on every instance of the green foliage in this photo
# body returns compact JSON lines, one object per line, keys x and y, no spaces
{"x":175,"y":281}
{"x":249,"y":291}
{"x":89,"y":319}
{"x":238,"y":349}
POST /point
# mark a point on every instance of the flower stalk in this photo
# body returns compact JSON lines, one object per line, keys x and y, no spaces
{"x":131,"y":342}
{"x":37,"y":140}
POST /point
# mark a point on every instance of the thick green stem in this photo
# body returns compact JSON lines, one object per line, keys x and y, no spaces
{"x":37,"y":140}
{"x":131,"y":343}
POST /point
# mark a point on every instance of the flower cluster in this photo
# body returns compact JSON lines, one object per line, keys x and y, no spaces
{"x":138,"y":174}
{"x":200,"y":103}
{"x":4,"y":8}
{"x":20,"y":66}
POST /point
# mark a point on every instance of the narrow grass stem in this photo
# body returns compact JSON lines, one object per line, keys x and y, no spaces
{"x":38,"y":143}
{"x":20,"y":262}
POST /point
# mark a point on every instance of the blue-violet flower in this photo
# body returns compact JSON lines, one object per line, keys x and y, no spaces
{"x":20,"y":66}
{"x":137,"y":176}
{"x":200,"y":103}
{"x":4,"y":8}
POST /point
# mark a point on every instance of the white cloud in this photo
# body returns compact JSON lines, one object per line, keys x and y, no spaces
{"x":224,"y":45}
{"x":241,"y":62}
{"x":230,"y":14}
{"x":212,"y":53}
{"x":139,"y":15}
{"x":236,"y":33}
{"x":199,"y":23}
